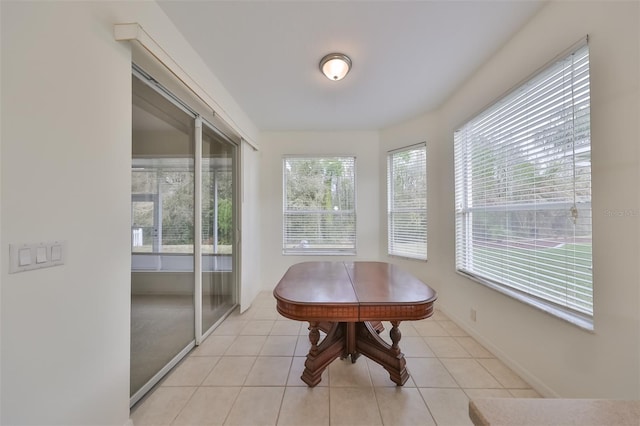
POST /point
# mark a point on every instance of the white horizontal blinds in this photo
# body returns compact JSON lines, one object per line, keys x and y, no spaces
{"x":407,"y":202}
{"x":523,"y":188}
{"x":319,"y":205}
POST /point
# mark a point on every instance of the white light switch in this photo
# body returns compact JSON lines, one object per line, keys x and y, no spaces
{"x":56,"y":253}
{"x":41,"y":254}
{"x":24,"y":256}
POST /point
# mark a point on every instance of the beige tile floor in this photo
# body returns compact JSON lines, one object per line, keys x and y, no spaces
{"x":248,"y":373}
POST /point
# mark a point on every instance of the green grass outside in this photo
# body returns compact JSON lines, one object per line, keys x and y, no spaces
{"x":564,"y":272}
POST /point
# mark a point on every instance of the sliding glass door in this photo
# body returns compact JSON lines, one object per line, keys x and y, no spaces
{"x":182,"y":185}
{"x":218,"y":225}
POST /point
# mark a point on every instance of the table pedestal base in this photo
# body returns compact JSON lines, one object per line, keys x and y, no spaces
{"x":351,"y":339}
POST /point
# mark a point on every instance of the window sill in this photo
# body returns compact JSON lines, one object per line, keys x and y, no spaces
{"x":583,"y":322}
{"x":399,"y":256}
{"x":317,"y":253}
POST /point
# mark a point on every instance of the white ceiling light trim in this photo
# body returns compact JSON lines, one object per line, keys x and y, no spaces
{"x":335,"y":66}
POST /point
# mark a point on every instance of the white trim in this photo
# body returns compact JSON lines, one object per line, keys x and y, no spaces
{"x":135,"y":32}
{"x":160,"y":374}
{"x":197,"y":225}
{"x":408,"y":147}
{"x":578,"y":319}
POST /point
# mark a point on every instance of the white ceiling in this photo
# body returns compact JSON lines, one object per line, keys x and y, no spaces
{"x":408,"y":56}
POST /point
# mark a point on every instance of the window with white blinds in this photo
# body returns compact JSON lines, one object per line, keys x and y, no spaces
{"x":523,"y":192}
{"x":319,"y":205}
{"x":407,"y":202}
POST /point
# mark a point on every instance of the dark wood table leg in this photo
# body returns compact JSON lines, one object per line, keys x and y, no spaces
{"x":321,"y":355}
{"x":351,"y":338}
{"x":395,"y":335}
{"x":389,"y":356}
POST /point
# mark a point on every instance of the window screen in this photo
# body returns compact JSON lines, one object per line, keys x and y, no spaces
{"x":319,"y":205}
{"x":407,"y":202}
{"x":523,"y":190}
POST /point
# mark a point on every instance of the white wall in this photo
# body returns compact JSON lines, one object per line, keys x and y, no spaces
{"x":250,"y":210}
{"x":364,"y":146}
{"x":65,"y":163}
{"x":66,"y":141}
{"x":556,"y":357}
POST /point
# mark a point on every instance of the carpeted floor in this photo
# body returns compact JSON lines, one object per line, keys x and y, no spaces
{"x":162,"y":326}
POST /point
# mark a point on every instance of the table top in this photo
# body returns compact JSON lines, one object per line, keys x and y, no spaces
{"x":352,"y":291}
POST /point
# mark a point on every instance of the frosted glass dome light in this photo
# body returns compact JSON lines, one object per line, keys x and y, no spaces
{"x":335,"y":66}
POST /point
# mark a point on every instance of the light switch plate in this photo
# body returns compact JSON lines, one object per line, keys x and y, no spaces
{"x":28,"y":256}
{"x":24,"y":256}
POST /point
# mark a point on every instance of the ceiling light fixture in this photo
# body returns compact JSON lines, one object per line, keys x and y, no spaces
{"x":335,"y":66}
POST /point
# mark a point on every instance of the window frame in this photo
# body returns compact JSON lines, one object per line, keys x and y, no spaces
{"x":303,"y":250}
{"x":464,"y":229}
{"x":391,"y":209}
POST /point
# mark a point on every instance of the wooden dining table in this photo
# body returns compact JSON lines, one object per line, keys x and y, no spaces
{"x":349,"y":301}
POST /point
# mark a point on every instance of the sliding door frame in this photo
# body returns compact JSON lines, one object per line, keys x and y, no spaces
{"x":235,"y":166}
{"x":199,"y":122}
